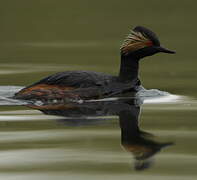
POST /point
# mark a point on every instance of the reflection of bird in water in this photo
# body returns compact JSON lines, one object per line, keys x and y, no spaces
{"x":138,"y":142}
{"x":76,"y":85}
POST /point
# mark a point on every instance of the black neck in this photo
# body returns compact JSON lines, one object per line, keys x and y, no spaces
{"x":128,"y":120}
{"x":129,"y":68}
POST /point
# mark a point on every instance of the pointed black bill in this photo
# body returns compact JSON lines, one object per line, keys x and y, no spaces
{"x":163,"y":145}
{"x":164,"y":50}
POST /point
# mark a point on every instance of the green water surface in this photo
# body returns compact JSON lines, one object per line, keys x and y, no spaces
{"x":41,"y":37}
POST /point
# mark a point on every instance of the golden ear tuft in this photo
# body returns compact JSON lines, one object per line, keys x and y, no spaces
{"x":134,"y":41}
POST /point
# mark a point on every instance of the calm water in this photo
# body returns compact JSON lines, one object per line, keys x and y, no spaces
{"x":39,"y":38}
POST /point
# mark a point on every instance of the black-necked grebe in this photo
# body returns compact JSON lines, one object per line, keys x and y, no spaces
{"x":140,"y":43}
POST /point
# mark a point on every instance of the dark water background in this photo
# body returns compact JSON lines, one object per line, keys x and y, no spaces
{"x":41,"y":37}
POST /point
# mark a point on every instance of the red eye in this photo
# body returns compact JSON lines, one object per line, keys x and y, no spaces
{"x":149,"y":43}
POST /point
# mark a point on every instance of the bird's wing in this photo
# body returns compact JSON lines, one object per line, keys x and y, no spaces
{"x":76,"y":79}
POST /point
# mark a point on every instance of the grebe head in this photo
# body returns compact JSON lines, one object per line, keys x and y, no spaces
{"x":142,"y":42}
